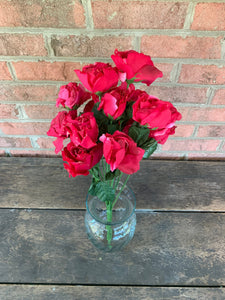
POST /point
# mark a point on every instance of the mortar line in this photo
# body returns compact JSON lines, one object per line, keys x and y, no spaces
{"x":189,"y":16}
{"x":11,"y":70}
{"x":88,"y":14}
{"x":195,"y":132}
{"x":79,"y":59}
{"x":103,"y":32}
{"x":223,"y":48}
{"x":47,"y":39}
{"x":210,"y":94}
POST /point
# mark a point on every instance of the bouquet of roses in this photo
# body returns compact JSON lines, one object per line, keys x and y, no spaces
{"x":108,"y":124}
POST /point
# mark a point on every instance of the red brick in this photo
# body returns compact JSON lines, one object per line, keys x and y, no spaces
{"x":15,"y":142}
{"x":27,"y":128}
{"x":46,"y":143}
{"x":206,"y":114}
{"x":4,"y":71}
{"x":138,"y":14}
{"x":219,"y":97}
{"x":82,"y":45}
{"x":184,"y":112}
{"x":177,"y":46}
{"x":41,"y":111}
{"x":184,"y":130}
{"x":166,"y":69}
{"x":191,"y":145}
{"x":209,"y":74}
{"x":209,"y":16}
{"x":37,"y":13}
{"x":211,"y":131}
{"x":178,"y":94}
{"x":28,"y":92}
{"x":58,"y":71}
{"x":22,"y":44}
{"x":8,"y":111}
{"x":34,"y":153}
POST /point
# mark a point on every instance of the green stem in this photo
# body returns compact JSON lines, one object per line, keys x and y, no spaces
{"x":109,"y":227}
{"x":117,"y":196}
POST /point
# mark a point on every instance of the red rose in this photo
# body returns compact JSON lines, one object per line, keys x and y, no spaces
{"x":149,"y":110}
{"x":137,"y":66}
{"x":162,"y":135}
{"x":58,"y":127}
{"x":80,"y":160}
{"x":114,"y":102}
{"x":84,"y":130}
{"x":121,"y":152}
{"x":72,"y":94}
{"x":98,"y":77}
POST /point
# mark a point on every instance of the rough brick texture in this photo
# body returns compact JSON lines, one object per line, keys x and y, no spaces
{"x":56,"y":71}
{"x":22,"y":44}
{"x":4,"y":71}
{"x":209,"y":16}
{"x":38,"y":13}
{"x":202,"y":74}
{"x":28,"y":93}
{"x":98,"y":46}
{"x":138,"y":14}
{"x":42,"y":42}
{"x":176,"y":46}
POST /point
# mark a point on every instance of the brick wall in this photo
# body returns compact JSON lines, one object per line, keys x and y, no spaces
{"x":42,"y":42}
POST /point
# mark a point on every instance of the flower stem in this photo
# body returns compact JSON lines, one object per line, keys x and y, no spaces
{"x":109,"y":219}
{"x":117,"y":196}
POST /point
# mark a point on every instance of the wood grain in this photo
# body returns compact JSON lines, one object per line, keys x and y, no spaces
{"x":37,"y":292}
{"x":159,"y":185}
{"x":168,"y":249}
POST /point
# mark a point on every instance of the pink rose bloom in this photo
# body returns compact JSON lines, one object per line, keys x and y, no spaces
{"x":121,"y":152}
{"x":98,"y":77}
{"x":80,"y":160}
{"x":114,"y":102}
{"x":137,"y":66}
{"x":162,"y":135}
{"x":149,"y":110}
{"x":84,"y":130}
{"x":71,"y":95}
{"x":58,"y":128}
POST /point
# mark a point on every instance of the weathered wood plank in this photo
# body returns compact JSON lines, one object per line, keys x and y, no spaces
{"x":160,"y":185}
{"x":37,"y":292}
{"x":169,"y":249}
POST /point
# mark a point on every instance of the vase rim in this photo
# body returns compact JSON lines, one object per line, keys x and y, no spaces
{"x":113,"y":222}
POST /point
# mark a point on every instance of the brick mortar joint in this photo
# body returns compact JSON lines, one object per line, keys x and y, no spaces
{"x":105,"y":32}
{"x":190,"y":15}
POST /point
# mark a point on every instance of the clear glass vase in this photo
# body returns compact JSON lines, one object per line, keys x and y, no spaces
{"x":115,"y":234}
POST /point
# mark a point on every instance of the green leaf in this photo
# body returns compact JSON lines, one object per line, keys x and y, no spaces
{"x":111,"y":175}
{"x":91,"y":190}
{"x":104,"y":192}
{"x":139,"y":135}
{"x":152,"y":147}
{"x":95,"y":173}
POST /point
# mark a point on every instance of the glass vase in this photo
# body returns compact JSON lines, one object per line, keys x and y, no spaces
{"x":114,"y":234}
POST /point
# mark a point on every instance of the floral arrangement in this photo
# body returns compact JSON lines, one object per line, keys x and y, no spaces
{"x":110,"y":125}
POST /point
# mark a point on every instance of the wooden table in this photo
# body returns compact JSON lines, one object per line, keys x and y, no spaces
{"x":178,"y":251}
